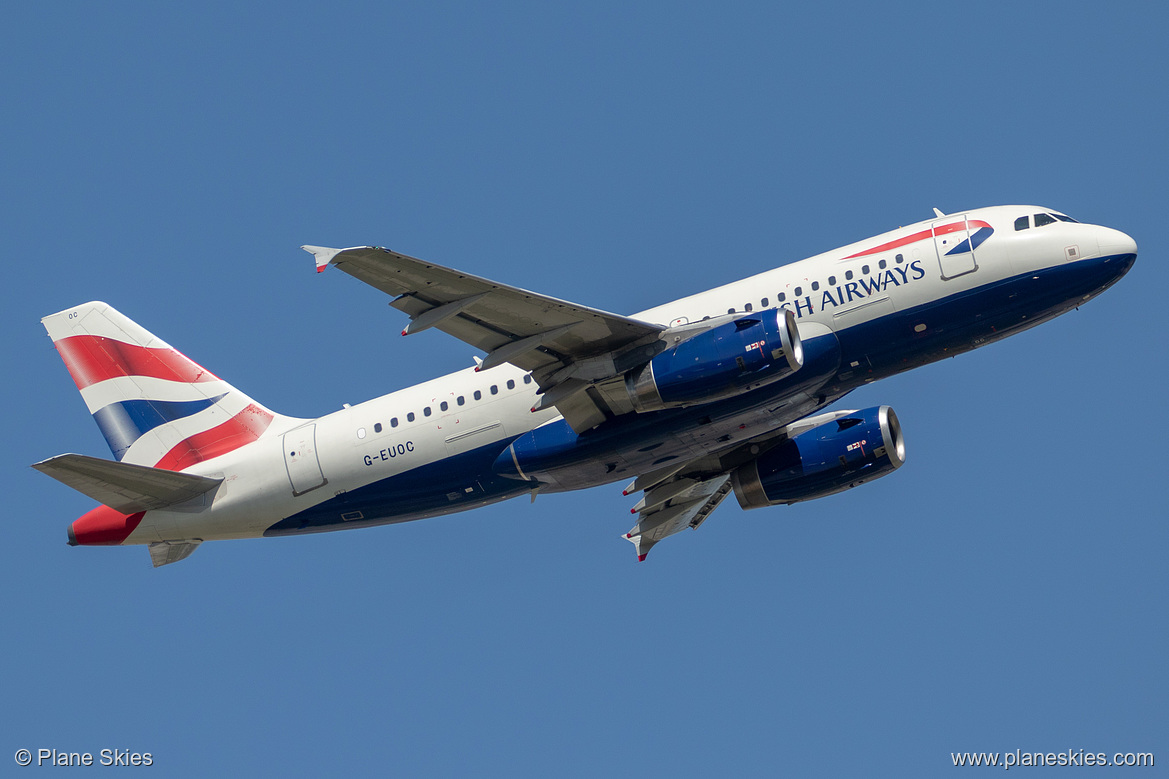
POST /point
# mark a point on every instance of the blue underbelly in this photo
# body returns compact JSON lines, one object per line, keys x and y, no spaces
{"x":455,"y":483}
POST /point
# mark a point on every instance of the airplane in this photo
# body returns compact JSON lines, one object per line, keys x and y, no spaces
{"x":722,"y":391}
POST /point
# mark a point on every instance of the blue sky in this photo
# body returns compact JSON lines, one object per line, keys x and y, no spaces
{"x":1007,"y":589}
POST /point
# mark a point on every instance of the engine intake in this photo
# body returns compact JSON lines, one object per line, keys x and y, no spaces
{"x":726,"y":360}
{"x":825,"y":460}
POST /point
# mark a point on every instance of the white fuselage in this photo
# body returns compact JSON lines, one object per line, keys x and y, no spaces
{"x":449,"y":417}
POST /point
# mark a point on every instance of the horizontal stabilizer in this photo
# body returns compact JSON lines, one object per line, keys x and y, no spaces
{"x":125,"y":487}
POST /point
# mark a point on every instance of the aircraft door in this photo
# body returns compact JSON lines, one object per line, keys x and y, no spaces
{"x":952,"y":242}
{"x":300,"y":458}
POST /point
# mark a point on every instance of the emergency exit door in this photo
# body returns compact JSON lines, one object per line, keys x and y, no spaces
{"x":954,"y":247}
{"x":300,"y":458}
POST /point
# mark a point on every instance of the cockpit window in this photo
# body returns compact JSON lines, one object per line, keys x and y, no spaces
{"x":1043,"y":219}
{"x":1022,"y":223}
{"x":1063,"y":218}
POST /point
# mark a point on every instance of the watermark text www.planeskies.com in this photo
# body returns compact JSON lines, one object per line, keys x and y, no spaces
{"x":1070,"y":757}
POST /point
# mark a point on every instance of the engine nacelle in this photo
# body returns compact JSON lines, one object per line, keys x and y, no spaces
{"x":827,"y":459}
{"x":726,"y":360}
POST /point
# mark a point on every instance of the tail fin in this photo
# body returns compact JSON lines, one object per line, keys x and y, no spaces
{"x":154,"y":406}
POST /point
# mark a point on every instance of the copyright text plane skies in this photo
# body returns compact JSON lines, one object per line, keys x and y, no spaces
{"x":723,"y":391}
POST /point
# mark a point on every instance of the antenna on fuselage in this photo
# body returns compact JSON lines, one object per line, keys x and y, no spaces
{"x":938,"y":212}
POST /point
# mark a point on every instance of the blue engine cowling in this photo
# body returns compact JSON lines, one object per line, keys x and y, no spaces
{"x":827,"y":459}
{"x":726,"y":360}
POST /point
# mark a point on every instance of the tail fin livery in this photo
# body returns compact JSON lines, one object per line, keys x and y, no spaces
{"x":154,"y":406}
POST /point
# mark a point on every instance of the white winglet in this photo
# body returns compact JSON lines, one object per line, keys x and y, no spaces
{"x":938,"y":212}
{"x":323,"y":254}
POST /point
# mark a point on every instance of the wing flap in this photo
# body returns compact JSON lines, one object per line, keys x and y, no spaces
{"x":689,"y":503}
{"x":125,"y":487}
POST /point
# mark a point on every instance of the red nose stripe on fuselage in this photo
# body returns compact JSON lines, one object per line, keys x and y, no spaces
{"x":953,"y":227}
{"x":92,"y":358}
{"x":103,"y":527}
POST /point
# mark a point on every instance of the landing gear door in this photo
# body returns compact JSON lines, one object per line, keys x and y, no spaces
{"x":300,"y":458}
{"x":954,"y":247}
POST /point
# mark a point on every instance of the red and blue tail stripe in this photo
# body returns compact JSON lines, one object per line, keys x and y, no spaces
{"x":124,"y":422}
{"x":243,"y":428}
{"x":92,"y":359}
{"x":153,"y":405}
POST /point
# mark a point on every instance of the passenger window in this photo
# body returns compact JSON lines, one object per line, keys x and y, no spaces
{"x":443,"y":406}
{"x":730,"y":310}
{"x":410,"y":417}
{"x":426,"y":411}
{"x":848,"y":275}
{"x":361,"y":432}
{"x":527,"y":378}
{"x":394,"y":422}
{"x":1041,"y":220}
{"x":460,"y":400}
{"x":782,"y":297}
{"x":900,"y":259}
{"x":832,"y":281}
{"x":511,"y":383}
{"x":494,"y":389}
{"x":478,"y":395}
{"x":865,"y":269}
{"x":377,"y":427}
{"x":799,"y":291}
{"x":748,"y":308}
{"x":763,"y":303}
{"x":1022,"y":223}
{"x":881,"y":265}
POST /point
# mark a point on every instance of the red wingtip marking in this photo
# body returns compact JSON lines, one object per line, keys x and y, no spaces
{"x":321,"y":268}
{"x":477,"y":368}
{"x":632,"y":511}
{"x":629,"y":535}
{"x":641,"y":558}
{"x":403,"y":331}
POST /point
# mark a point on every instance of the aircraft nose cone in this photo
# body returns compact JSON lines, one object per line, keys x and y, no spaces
{"x":1114,"y":242}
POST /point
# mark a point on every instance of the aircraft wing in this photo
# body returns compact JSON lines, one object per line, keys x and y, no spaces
{"x":566,"y":347}
{"x":675,"y":505}
{"x":683,"y":496}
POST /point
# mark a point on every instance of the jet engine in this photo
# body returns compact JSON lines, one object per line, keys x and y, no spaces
{"x":743,"y":354}
{"x":831,"y":458}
